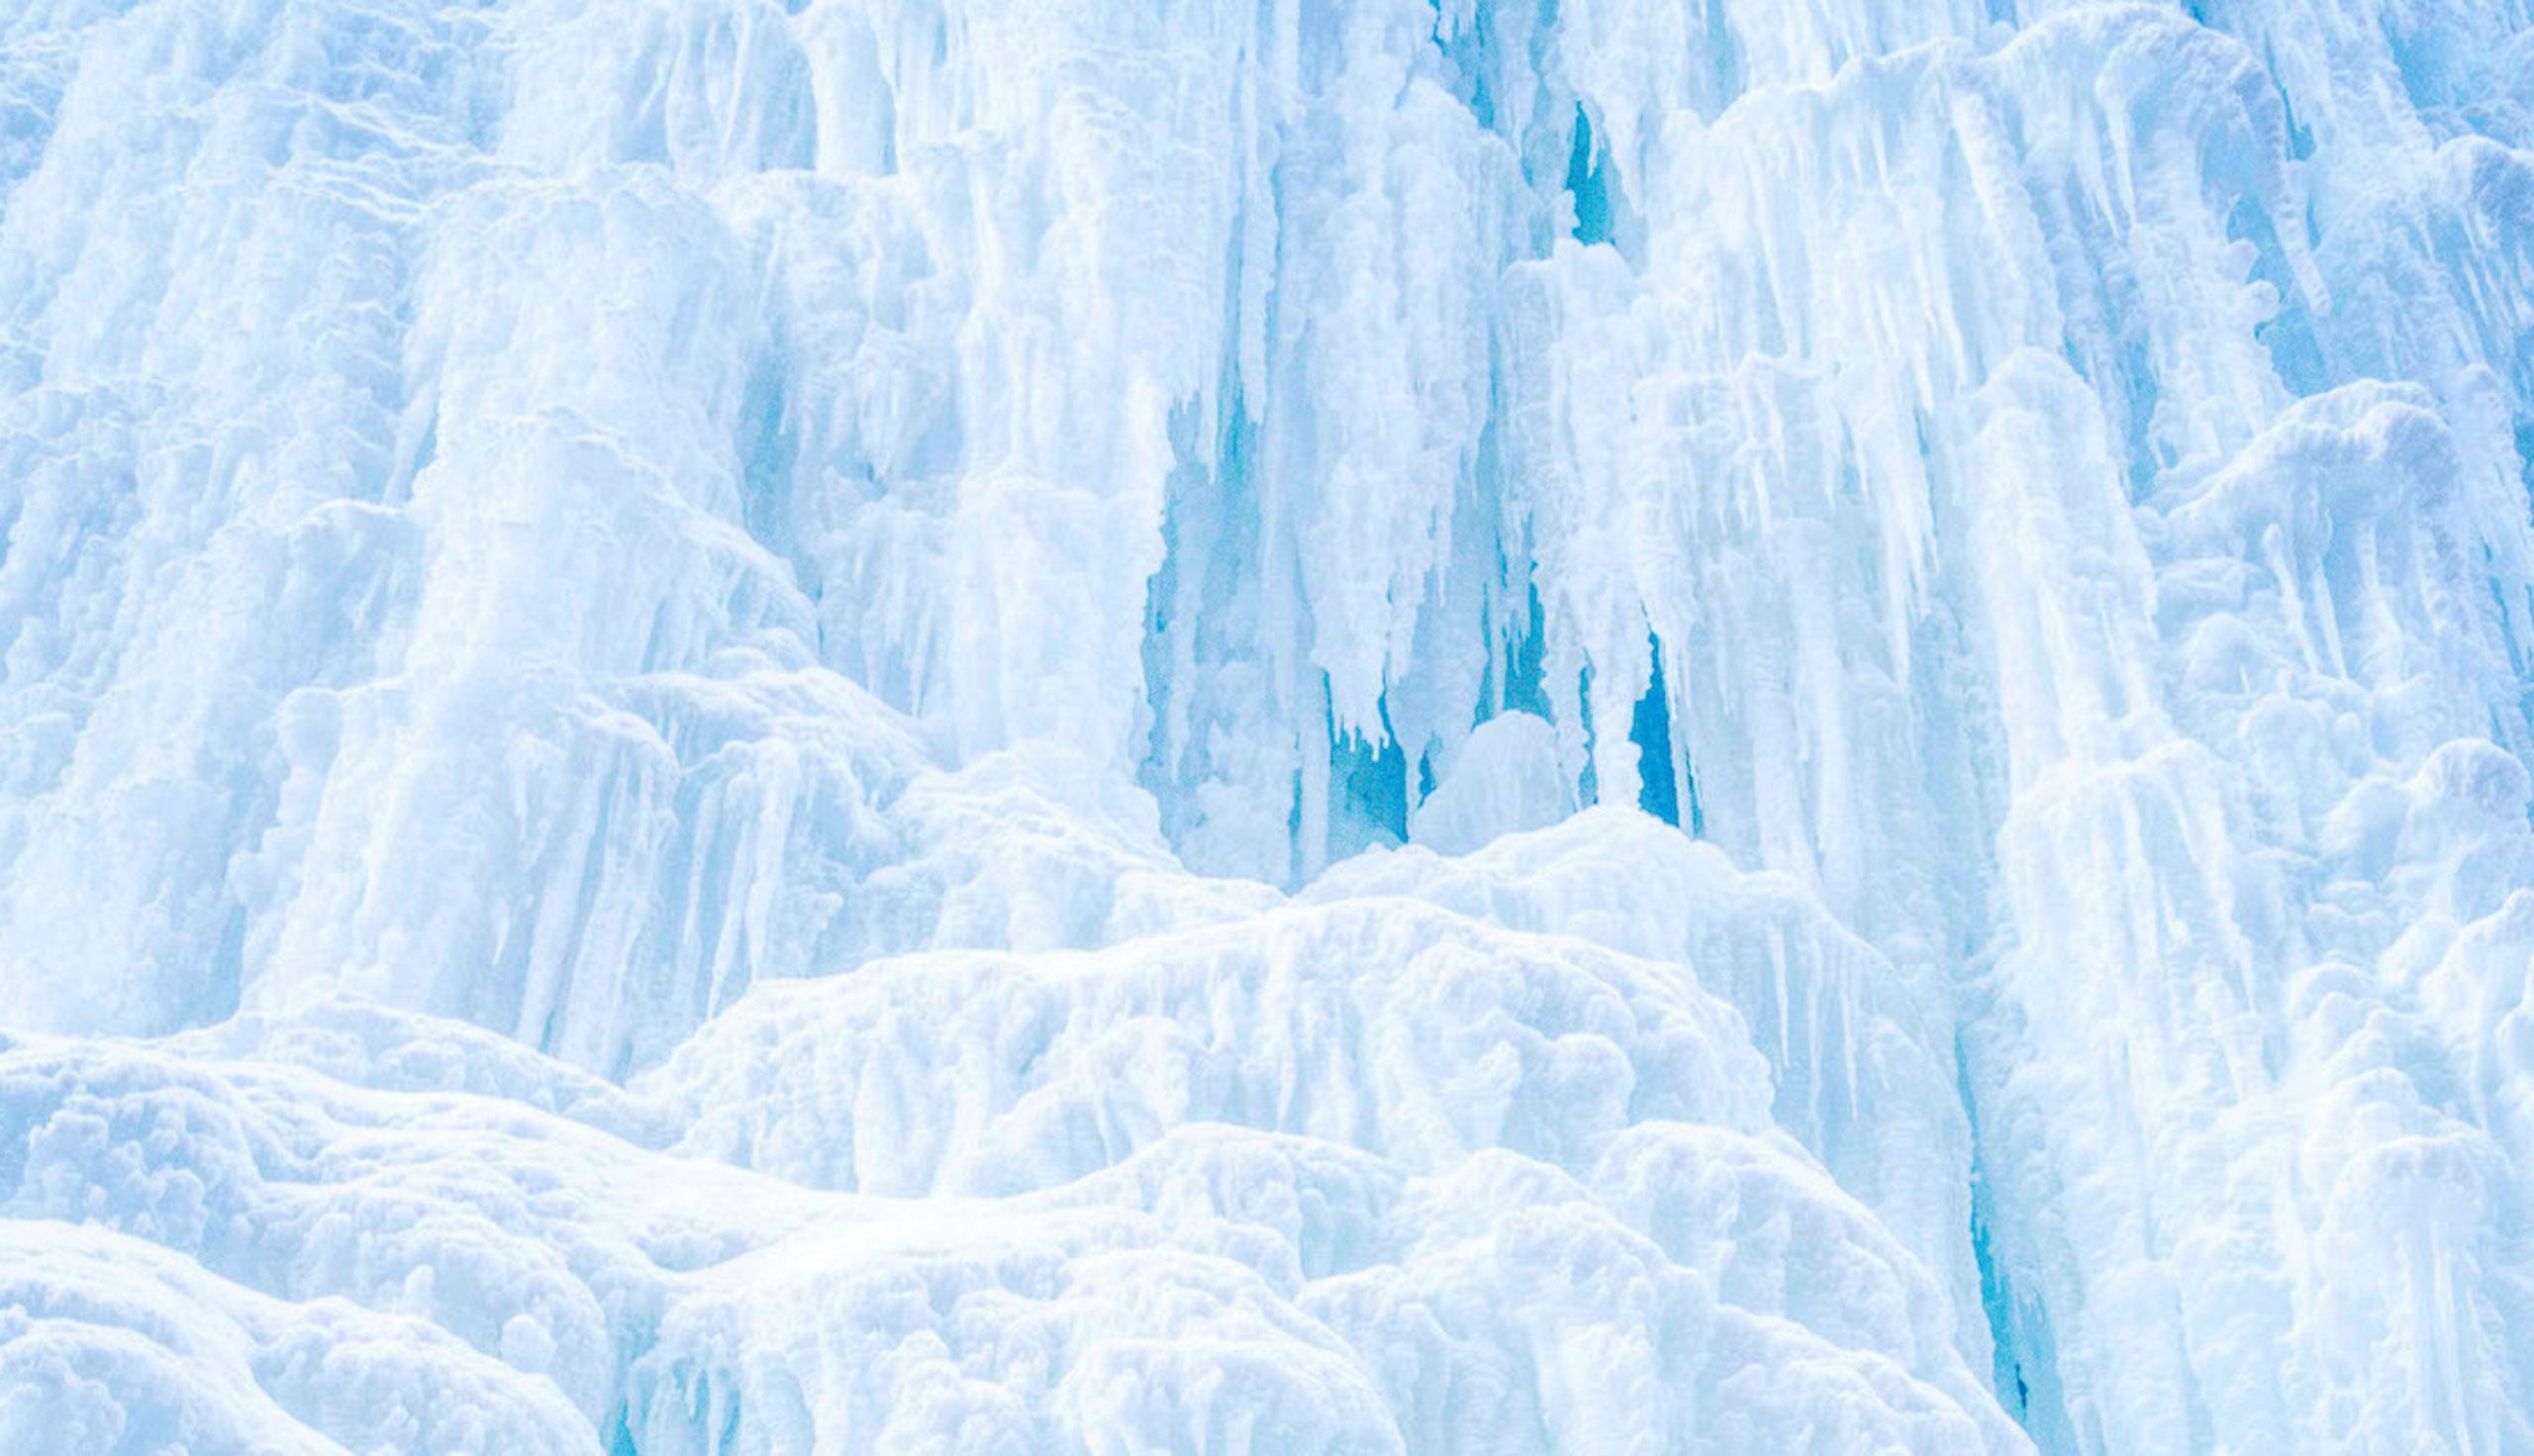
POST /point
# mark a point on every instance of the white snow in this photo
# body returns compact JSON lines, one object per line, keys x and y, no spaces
{"x":1370,"y":726}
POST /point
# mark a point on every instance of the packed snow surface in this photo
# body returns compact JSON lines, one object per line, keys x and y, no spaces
{"x":1252,"y":727}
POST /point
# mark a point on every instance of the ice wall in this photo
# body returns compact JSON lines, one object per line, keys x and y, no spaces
{"x":1376,"y":724}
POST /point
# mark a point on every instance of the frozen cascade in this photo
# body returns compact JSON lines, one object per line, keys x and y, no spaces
{"x":1378,"y":725}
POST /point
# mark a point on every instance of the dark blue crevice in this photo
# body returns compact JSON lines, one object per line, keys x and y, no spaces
{"x":1525,"y":688}
{"x":1471,"y":57}
{"x":1650,"y":729}
{"x":2301,"y":137}
{"x":1368,"y":789}
{"x":1588,"y":178}
{"x":1587,"y":787}
{"x":2023,"y":1356}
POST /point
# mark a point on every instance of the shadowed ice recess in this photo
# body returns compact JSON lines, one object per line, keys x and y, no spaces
{"x":1257,"y":726}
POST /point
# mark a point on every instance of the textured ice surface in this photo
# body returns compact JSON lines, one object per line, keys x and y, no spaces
{"x":1320,"y":726}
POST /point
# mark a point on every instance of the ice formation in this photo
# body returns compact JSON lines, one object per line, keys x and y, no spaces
{"x":1456,"y":726}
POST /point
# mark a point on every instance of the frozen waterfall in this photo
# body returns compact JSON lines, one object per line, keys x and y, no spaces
{"x":1624,"y":727}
